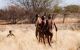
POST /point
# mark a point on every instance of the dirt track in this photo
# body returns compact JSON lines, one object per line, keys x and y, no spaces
{"x":25,"y":39}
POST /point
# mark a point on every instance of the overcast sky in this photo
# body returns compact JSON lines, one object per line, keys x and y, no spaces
{"x":69,"y":2}
{"x":4,"y":3}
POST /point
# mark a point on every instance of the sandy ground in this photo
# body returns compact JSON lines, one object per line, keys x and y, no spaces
{"x":25,"y":39}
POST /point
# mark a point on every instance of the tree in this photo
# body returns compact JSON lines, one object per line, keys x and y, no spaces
{"x":72,"y":8}
{"x":16,"y":13}
{"x":33,"y":7}
{"x":37,"y":6}
{"x":57,"y":9}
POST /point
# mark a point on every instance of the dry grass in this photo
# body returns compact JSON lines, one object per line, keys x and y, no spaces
{"x":25,"y":39}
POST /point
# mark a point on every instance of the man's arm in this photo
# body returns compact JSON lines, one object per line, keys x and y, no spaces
{"x":55,"y":27}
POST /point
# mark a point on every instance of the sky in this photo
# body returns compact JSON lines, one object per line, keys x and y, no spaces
{"x":69,"y":2}
{"x":4,"y":3}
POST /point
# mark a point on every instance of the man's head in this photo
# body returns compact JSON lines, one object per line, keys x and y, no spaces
{"x":49,"y":17}
{"x":10,"y":31}
{"x":43,"y":17}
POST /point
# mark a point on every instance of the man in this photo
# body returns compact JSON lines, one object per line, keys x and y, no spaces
{"x":10,"y":33}
{"x":38,"y":26}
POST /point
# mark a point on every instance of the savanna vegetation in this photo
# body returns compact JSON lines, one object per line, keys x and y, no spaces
{"x":27,"y":9}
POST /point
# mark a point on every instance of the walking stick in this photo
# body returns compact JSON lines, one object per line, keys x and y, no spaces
{"x":56,"y":33}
